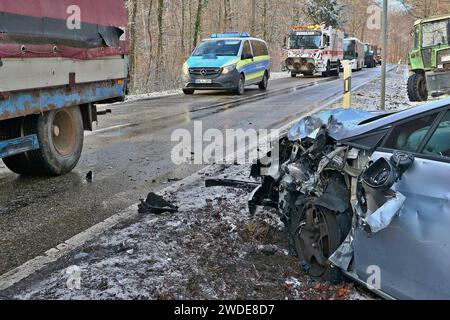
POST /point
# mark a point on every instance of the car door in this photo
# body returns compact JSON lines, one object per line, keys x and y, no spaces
{"x":413,"y":253}
{"x":248,"y":63}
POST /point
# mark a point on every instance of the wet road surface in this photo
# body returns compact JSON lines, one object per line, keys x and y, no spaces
{"x":130,"y":155}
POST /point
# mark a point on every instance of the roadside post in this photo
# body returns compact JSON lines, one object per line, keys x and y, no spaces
{"x":385,"y":56}
{"x":347,"y":84}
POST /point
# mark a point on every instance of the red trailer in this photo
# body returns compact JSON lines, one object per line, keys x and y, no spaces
{"x":57,"y":59}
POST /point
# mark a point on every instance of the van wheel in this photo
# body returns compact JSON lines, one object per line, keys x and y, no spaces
{"x":241,"y":86}
{"x":60,"y":134}
{"x":188,"y":91}
{"x":264,"y":83}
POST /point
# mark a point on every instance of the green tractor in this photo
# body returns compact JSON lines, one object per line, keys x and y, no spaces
{"x":430,"y":60}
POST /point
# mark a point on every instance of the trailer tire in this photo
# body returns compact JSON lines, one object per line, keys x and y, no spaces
{"x":60,"y":134}
{"x":417,"y":88}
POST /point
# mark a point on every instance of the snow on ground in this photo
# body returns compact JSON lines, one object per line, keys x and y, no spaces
{"x":279,"y":75}
{"x":368,"y":96}
{"x":151,"y":95}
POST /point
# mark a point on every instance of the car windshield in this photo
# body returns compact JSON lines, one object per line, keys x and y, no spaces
{"x":218,"y":48}
{"x":349,"y":50}
{"x":306,"y":40}
{"x":434,"y":33}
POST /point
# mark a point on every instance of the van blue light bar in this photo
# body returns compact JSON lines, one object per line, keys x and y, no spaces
{"x":231,"y":35}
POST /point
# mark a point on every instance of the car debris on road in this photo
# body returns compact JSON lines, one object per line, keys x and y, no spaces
{"x":156,"y":205}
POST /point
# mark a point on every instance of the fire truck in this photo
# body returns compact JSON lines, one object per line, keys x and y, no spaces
{"x":314,"y":50}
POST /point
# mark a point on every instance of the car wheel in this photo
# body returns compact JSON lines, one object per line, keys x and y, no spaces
{"x":293,"y":75}
{"x":188,"y":91}
{"x":264,"y":83}
{"x":241,"y":86}
{"x":417,"y":88}
{"x":319,"y":235}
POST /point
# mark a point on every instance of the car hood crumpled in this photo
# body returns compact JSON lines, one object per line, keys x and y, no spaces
{"x":339,"y":122}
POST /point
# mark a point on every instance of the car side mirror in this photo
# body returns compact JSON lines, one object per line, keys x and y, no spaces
{"x":248,"y":56}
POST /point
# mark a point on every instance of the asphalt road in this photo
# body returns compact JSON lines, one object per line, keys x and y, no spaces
{"x":130,"y":155}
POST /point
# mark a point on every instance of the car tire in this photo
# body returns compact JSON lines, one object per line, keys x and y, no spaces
{"x":188,"y":91}
{"x":60,"y":134}
{"x":240,"y":89}
{"x":293,"y":75}
{"x":417,"y":88}
{"x":319,"y":235}
{"x":264,"y":83}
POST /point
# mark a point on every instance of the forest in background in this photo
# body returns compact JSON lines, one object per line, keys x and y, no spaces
{"x":164,"y":32}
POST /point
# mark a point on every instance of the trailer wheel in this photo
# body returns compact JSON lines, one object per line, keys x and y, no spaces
{"x":417,"y":88}
{"x":60,"y":134}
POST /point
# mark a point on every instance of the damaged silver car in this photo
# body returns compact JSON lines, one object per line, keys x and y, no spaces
{"x":360,"y":192}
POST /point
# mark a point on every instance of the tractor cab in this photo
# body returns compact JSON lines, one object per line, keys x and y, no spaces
{"x":430,"y":59}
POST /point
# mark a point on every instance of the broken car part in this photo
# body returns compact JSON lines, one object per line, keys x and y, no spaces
{"x":156,"y":204}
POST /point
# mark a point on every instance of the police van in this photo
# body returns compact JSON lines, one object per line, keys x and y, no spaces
{"x":227,"y":61}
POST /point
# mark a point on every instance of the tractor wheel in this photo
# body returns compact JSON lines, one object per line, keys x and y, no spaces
{"x":417,"y":88}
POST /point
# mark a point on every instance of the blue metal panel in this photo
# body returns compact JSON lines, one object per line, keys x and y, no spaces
{"x":21,"y":103}
{"x":19,"y":145}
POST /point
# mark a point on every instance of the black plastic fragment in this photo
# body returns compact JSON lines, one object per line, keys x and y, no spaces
{"x":156,"y":205}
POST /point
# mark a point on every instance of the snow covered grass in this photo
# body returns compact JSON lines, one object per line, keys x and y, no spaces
{"x":368,"y":96}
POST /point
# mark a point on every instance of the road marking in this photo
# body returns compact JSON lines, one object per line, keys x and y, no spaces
{"x":32,"y":266}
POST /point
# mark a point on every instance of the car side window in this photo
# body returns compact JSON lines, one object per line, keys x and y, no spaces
{"x":247,"y":50}
{"x":409,"y":136}
{"x":439,"y":143}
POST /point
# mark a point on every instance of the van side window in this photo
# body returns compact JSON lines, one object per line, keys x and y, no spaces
{"x":259,"y":48}
{"x":409,"y":136}
{"x":247,"y":50}
{"x":439,"y":143}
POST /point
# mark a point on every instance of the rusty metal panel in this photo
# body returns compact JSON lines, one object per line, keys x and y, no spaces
{"x":22,"y":103}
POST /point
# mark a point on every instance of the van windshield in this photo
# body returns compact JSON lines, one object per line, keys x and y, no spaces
{"x":218,"y":48}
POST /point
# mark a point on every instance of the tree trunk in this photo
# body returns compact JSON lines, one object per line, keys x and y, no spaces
{"x":132,"y":30}
{"x":198,"y":23}
{"x":159,"y":50}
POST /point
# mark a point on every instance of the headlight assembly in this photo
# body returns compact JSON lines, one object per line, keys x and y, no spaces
{"x":228,"y":69}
